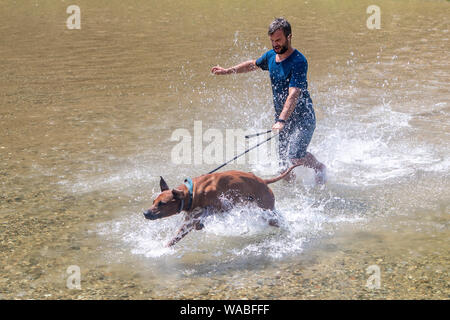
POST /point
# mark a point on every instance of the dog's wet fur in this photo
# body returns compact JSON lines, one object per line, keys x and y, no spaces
{"x":207,"y":195}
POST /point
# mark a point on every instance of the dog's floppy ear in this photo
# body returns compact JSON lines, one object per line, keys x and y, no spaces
{"x":178,"y":194}
{"x":163,"y":185}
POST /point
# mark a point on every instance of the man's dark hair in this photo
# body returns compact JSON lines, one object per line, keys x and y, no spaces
{"x":280,"y":23}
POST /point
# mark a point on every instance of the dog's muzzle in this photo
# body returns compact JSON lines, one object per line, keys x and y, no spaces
{"x":150,"y":215}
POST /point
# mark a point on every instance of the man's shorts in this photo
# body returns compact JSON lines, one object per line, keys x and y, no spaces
{"x":294,"y":140}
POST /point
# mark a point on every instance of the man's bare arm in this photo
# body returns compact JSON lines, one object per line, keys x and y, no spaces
{"x":291,"y":102}
{"x":288,"y":108}
{"x":243,"y":67}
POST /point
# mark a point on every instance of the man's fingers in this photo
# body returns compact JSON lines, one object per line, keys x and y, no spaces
{"x":215,"y":69}
{"x":277,"y":127}
{"x":218,"y":70}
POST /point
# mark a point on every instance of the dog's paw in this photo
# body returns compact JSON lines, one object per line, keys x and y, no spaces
{"x":274,"y":223}
{"x":171,"y":243}
{"x":199,"y":226}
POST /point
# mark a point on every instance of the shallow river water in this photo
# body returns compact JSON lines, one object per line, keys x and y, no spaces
{"x":87,"y":118}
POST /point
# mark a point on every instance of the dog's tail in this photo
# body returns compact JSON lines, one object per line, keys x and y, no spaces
{"x":284,"y":174}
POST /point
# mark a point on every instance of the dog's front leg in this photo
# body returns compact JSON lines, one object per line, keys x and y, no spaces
{"x":184,"y":230}
{"x":191,"y":221}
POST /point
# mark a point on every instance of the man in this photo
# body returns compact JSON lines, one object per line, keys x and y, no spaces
{"x":294,"y":113}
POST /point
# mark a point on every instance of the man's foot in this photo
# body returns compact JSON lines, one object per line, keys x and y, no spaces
{"x":321,"y":174}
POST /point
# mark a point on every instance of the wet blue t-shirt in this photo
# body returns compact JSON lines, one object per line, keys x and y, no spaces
{"x":291,"y":72}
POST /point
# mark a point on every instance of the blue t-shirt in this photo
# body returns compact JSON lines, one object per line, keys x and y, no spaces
{"x":291,"y":72}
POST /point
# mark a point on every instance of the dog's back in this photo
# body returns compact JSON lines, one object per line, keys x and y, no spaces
{"x":237,"y":186}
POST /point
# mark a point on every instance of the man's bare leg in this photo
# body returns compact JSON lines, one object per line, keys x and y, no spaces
{"x":310,"y":161}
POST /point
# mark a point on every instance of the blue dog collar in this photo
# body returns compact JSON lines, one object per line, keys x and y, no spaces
{"x":190,"y":185}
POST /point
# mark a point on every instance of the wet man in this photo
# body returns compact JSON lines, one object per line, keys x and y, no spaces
{"x":294,"y":113}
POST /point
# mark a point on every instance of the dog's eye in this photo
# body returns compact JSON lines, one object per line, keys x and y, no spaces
{"x":161,"y":203}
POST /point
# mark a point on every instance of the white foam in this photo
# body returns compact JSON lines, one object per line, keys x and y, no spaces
{"x":364,"y":148}
{"x":141,"y":236}
{"x":241,"y":232}
{"x":441,"y":166}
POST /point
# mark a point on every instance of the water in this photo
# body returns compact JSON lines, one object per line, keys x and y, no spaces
{"x":87,"y":115}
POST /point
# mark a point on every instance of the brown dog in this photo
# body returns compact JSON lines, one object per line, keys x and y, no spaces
{"x":196,"y":197}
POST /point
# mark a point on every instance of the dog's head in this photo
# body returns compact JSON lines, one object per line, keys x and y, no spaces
{"x":166,"y":204}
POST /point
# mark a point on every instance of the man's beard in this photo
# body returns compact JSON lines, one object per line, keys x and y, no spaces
{"x":283,"y":49}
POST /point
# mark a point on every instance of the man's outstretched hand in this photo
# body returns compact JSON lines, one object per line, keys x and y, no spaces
{"x":219,"y":70}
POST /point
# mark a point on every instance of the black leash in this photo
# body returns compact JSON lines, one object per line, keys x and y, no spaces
{"x":239,"y":155}
{"x":257,"y":134}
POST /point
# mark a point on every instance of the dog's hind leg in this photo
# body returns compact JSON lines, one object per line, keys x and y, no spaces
{"x":272,"y":218}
